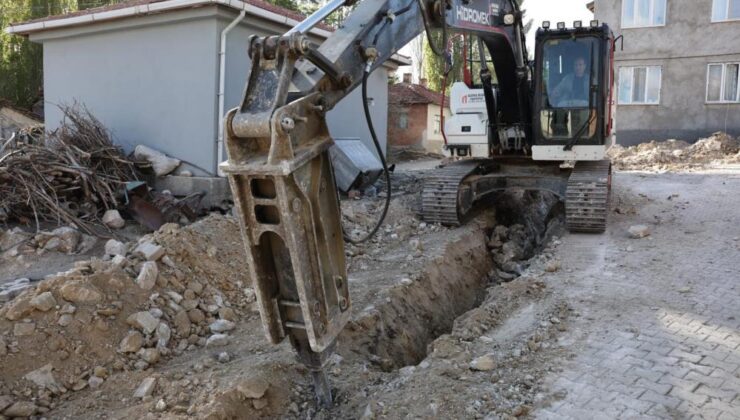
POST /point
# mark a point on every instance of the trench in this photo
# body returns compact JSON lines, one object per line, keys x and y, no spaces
{"x":397,"y":332}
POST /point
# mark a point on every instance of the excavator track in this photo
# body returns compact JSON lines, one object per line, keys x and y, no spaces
{"x":439,"y":198}
{"x":587,"y":196}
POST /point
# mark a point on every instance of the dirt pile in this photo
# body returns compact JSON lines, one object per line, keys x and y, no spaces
{"x":173,"y":291}
{"x":674,"y":155}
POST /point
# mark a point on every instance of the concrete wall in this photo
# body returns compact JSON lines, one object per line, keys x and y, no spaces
{"x":684,"y":47}
{"x":433,"y":142}
{"x":153,"y":80}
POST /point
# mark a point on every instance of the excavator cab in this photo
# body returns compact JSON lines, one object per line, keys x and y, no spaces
{"x":573,"y":80}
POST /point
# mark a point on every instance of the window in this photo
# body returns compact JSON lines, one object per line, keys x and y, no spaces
{"x":722,"y":83}
{"x":643,"y":13}
{"x":639,"y":85}
{"x":725,"y":10}
{"x":403,"y":120}
{"x":437,"y":121}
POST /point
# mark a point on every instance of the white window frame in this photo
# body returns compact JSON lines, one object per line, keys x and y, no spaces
{"x":727,"y":14}
{"x":651,"y":17}
{"x":632,"y":72}
{"x":722,"y":85}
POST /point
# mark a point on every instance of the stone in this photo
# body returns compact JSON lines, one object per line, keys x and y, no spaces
{"x":12,"y":238}
{"x":148,"y":275}
{"x":44,"y":378}
{"x":149,"y":251}
{"x":80,"y":292}
{"x":65,"y":320}
{"x":196,"y":316}
{"x":176,"y":297}
{"x":87,"y":244}
{"x":68,"y":239}
{"x":114,"y":247}
{"x":5,"y":401}
{"x":182,"y":323}
{"x":221,"y":326}
{"x":95,"y":382}
{"x":253,"y":388}
{"x":250,"y":295}
{"x":189,"y":304}
{"x":552,"y":266}
{"x":161,"y":163}
{"x":217,"y":340}
{"x":224,"y":357}
{"x":227,"y":314}
{"x":43,"y":302}
{"x":150,"y":356}
{"x":156,"y":312}
{"x":68,"y":308}
{"x":639,"y":231}
{"x":164,"y":333}
{"x":144,"y":321}
{"x":160,"y":406}
{"x":196,"y":287}
{"x":21,"y":409}
{"x":113,"y":219}
{"x":19,"y":308}
{"x":100,"y":372}
{"x":22,"y":329}
{"x":131,"y":343}
{"x":260,"y":403}
{"x":146,"y":388}
{"x":483,"y":363}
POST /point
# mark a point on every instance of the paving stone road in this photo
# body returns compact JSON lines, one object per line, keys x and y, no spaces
{"x":658,"y":331}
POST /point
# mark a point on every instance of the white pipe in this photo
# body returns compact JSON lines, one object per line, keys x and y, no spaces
{"x":222,"y":88}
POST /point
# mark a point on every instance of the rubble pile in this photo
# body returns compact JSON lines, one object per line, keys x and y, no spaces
{"x":72,"y":178}
{"x":671,"y":155}
{"x":172,"y":291}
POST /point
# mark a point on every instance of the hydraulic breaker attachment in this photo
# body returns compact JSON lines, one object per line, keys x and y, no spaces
{"x":285,"y":196}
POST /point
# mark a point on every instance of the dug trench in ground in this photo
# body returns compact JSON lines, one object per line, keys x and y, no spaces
{"x":420,"y":291}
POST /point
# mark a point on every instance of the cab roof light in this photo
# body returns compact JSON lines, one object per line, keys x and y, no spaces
{"x":594,"y":23}
{"x":577,"y":24}
{"x":561,"y":25}
{"x":546,"y":24}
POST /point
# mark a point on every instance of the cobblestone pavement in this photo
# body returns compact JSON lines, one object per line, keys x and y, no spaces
{"x":658,"y":327}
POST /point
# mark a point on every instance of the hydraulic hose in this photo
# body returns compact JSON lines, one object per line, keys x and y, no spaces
{"x":379,"y":149}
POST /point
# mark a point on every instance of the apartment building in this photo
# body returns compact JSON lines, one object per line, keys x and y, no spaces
{"x":678,"y":72}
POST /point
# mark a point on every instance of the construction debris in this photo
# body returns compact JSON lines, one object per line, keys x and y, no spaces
{"x":677,"y":155}
{"x":71,"y":179}
{"x":161,"y":163}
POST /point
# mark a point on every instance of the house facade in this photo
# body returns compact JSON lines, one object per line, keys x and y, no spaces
{"x":151,"y":70}
{"x":678,"y":72}
{"x":414,"y":116}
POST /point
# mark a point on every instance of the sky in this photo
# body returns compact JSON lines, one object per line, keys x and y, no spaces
{"x":553,"y":10}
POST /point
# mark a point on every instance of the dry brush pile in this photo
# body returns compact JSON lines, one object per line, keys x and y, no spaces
{"x":71,"y":178}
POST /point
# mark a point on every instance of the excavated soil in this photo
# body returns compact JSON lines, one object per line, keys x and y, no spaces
{"x":447,"y":323}
{"x":677,"y":155}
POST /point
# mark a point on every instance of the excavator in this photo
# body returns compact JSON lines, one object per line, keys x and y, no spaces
{"x":540,"y":125}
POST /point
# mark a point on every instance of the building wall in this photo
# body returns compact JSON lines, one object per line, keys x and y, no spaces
{"x":416,"y":125}
{"x":684,"y":47}
{"x":153,"y":80}
{"x":433,"y":139}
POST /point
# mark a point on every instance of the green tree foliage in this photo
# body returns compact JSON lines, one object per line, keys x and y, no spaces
{"x":21,"y":61}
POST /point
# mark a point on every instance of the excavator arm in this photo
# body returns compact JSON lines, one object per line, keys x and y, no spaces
{"x":278,"y":162}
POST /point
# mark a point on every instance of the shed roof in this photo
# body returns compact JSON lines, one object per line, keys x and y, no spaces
{"x":412,"y":94}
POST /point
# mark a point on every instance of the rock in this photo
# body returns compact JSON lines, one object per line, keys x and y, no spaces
{"x":68,"y":239}
{"x":43,"y":302}
{"x":149,"y":251}
{"x":156,"y":312}
{"x":95,"y":382}
{"x":113,"y":219}
{"x":9,"y":291}
{"x":260,"y":404}
{"x":161,"y":163}
{"x":224,"y":357}
{"x":12,"y":238}
{"x":639,"y":231}
{"x":100,"y":372}
{"x":182,"y":323}
{"x":80,"y":292}
{"x":253,"y":388}
{"x":552,"y":266}
{"x":43,"y":378}
{"x":131,"y":343}
{"x":217,"y":340}
{"x":87,"y":244}
{"x":22,"y":329}
{"x":114,"y":247}
{"x":67,"y":309}
{"x":483,"y":363}
{"x":19,"y":308}
{"x":189,"y":304}
{"x":65,"y":320}
{"x":144,"y":321}
{"x":164,"y":333}
{"x":150,"y":356}
{"x":196,"y":316}
{"x":221,"y":325}
{"x":250,"y":295}
{"x":685,"y":289}
{"x":146,"y":388}
{"x":176,"y":297}
{"x":227,"y":314}
{"x":148,"y":275}
{"x":5,"y":401}
{"x":160,"y":406}
{"x":196,"y":287}
{"x":21,"y":409}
